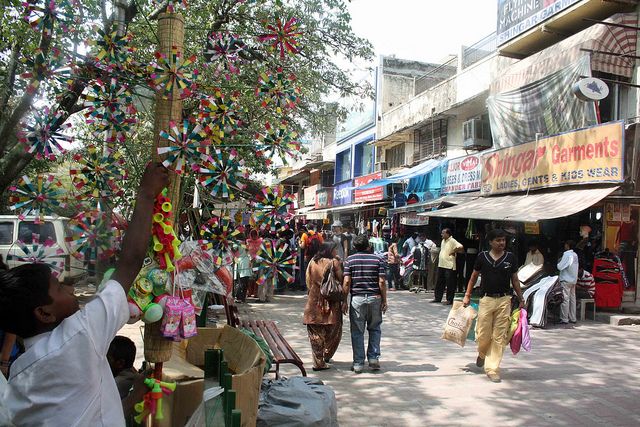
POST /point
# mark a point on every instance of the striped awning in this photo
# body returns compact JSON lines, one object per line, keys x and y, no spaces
{"x":598,"y":37}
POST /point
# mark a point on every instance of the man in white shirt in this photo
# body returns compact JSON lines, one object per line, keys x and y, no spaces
{"x":64,"y":378}
{"x":568,"y":276}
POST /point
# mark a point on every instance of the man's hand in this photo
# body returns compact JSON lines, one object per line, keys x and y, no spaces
{"x":466,"y":300}
{"x":345,"y":307}
{"x":521,"y":305}
{"x":155,"y":178}
{"x":384,"y":307}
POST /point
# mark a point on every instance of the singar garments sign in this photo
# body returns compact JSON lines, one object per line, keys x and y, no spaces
{"x":370,"y":194}
{"x":517,"y":16}
{"x":590,"y":155}
{"x":462,"y":174}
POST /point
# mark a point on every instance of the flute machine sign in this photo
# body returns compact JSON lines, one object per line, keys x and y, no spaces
{"x":587,"y":156}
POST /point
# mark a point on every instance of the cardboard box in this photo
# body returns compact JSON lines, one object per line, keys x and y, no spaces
{"x":245,"y":359}
{"x":182,"y":403}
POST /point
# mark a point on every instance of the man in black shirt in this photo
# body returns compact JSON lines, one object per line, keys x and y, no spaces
{"x":498,"y":267}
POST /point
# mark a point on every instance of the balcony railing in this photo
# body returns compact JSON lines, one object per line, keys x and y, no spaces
{"x":478,"y":51}
{"x":435,"y":76}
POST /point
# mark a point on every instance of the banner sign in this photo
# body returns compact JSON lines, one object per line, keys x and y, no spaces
{"x":412,"y":218}
{"x":342,"y":193}
{"x":371,"y":194}
{"x":310,"y":195}
{"x":588,"y":156}
{"x":517,"y":16}
{"x":462,"y":174}
{"x":324,"y":197}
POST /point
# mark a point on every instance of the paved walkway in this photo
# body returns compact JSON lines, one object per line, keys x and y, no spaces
{"x":587,"y":376}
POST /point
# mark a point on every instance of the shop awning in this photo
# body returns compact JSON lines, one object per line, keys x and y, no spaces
{"x":421,"y":169}
{"x":449,"y":199}
{"x":304,"y":211}
{"x":351,"y":207}
{"x":530,"y":207}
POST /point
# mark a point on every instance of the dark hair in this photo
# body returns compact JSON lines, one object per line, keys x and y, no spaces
{"x":122,"y":348}
{"x":325,"y":251}
{"x":313,"y":247}
{"x":448,"y":231}
{"x":496,"y":233}
{"x":361,"y":242}
{"x":3,"y":266}
{"x":570,"y":243}
{"x":311,"y":227}
{"x":534,"y":242}
{"x":22,"y":290}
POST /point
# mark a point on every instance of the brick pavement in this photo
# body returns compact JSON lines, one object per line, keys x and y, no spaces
{"x":587,"y":376}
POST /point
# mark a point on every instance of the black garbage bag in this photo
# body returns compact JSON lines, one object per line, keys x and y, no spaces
{"x":297,"y":401}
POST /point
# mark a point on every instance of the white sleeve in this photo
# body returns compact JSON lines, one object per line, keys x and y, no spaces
{"x":106,"y":314}
{"x":564,"y":262}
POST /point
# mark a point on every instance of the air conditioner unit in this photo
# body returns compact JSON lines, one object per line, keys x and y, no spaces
{"x":380,"y":166}
{"x":476,"y":134}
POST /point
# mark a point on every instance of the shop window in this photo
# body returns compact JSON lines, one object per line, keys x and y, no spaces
{"x":395,"y":156}
{"x":326,"y":178}
{"x":430,"y":141}
{"x":612,"y":108}
{"x":343,"y":166}
{"x":364,"y":157}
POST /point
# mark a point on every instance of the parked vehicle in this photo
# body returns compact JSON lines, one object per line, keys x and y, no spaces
{"x":406,"y":272}
{"x":12,"y":229}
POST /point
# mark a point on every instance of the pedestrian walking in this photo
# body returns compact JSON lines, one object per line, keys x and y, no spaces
{"x":447,"y":267}
{"x":497,"y":268}
{"x":568,"y":267}
{"x":364,"y":280}
{"x":323,"y":317}
{"x":393,"y":265}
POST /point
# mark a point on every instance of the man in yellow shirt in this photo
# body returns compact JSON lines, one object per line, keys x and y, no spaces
{"x":447,"y":267}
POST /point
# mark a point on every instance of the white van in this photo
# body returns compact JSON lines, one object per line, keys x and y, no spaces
{"x":12,"y":228}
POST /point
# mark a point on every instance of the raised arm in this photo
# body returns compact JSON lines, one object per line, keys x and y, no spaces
{"x":136,"y":239}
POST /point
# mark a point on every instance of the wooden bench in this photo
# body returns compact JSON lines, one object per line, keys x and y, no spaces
{"x":268,"y":330}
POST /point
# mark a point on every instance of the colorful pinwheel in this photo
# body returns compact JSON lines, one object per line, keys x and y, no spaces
{"x":223,"y":116}
{"x":279,"y":89}
{"x":100,"y":174}
{"x":34,"y":252}
{"x":171,"y":8}
{"x":110,"y":108}
{"x":224,"y":48}
{"x":113,"y":50}
{"x":219,"y":234}
{"x":187,"y":147}
{"x":279,"y":141}
{"x":168,"y":74}
{"x":273,"y":208}
{"x":282,"y":36}
{"x":93,"y":235}
{"x":275,"y":260}
{"x":53,"y":68}
{"x":41,"y":135}
{"x":222,"y":173}
{"x":42,"y":15}
{"x":38,"y":198}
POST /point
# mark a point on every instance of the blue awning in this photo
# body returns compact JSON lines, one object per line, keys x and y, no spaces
{"x":421,"y":169}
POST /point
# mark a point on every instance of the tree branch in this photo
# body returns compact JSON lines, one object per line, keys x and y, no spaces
{"x":160,"y":9}
{"x":12,"y":165}
{"x":11,"y":76}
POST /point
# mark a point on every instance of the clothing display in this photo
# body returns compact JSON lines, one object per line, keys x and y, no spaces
{"x":540,"y":292}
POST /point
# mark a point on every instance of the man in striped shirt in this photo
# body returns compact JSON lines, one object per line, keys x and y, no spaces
{"x":364,"y":280}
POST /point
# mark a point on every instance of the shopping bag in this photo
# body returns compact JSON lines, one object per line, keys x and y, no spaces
{"x":458,"y":323}
{"x":524,"y":325}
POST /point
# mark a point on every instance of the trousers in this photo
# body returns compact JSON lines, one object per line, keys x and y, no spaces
{"x":492,"y":330}
{"x":568,"y":307}
{"x":446,"y":280}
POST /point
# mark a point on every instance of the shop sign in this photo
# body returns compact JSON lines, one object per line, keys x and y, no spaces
{"x":310,"y":195}
{"x":517,"y":16}
{"x":324,"y":197}
{"x":370,"y":194}
{"x":462,"y":174}
{"x":588,"y":156}
{"x":342,"y":194}
{"x":412,"y":218}
{"x":531,"y":228}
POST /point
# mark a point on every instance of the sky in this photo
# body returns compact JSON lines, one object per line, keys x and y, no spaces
{"x":424,"y":30}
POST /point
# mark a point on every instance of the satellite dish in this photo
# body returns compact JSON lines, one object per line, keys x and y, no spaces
{"x":590,"y":89}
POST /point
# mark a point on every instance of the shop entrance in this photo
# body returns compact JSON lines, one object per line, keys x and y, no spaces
{"x":621,"y":236}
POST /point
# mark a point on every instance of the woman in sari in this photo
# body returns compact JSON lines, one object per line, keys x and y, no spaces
{"x":323,"y":317}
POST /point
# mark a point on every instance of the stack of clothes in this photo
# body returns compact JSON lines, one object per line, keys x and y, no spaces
{"x":541,"y":298}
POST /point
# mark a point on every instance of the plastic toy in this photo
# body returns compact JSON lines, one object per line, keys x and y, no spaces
{"x":166,"y":244}
{"x":152,"y":402}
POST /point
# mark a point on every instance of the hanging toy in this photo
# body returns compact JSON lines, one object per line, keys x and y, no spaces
{"x":152,"y":401}
{"x":166,"y":244}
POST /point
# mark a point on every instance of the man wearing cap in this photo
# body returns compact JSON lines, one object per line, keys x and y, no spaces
{"x":340,"y":240}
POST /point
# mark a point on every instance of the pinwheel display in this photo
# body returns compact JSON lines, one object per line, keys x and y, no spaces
{"x":113,"y":51}
{"x":48,"y":253}
{"x":222,"y":173}
{"x":38,"y":198}
{"x":282,"y":36}
{"x":224,"y":49}
{"x":54,"y":67}
{"x":273,"y":208}
{"x":93,"y":235}
{"x":278,"y":89}
{"x":273,"y":261}
{"x":42,"y":135}
{"x":42,"y":15}
{"x":219,"y":234}
{"x":222,"y":114}
{"x":99,"y":174}
{"x":169,"y":73}
{"x":187,"y":147}
{"x":110,"y":107}
{"x":279,"y":141}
